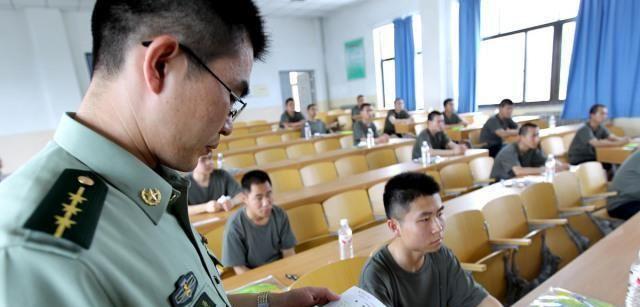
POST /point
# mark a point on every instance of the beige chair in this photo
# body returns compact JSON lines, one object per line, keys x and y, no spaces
{"x":456,"y":179}
{"x":327,"y":145}
{"x":420,"y":127}
{"x":318,"y":173}
{"x":258,"y":129}
{"x":242,"y":143}
{"x":594,"y":186}
{"x":474,"y":139}
{"x":300,"y":150}
{"x":222,"y":147}
{"x":268,"y":140}
{"x":256,"y":122}
{"x":335,"y":112}
{"x":240,"y":131}
{"x":481,"y":170}
{"x":618,"y":131}
{"x":290,"y":136}
{"x":379,"y":123}
{"x":215,"y":237}
{"x":554,"y":145}
{"x":375,"y":197}
{"x":344,"y":122}
{"x":403,"y":153}
{"x":381,"y":158}
{"x":337,"y":276}
{"x":309,"y":226}
{"x":540,"y":203}
{"x":240,"y":161}
{"x":567,"y":139}
{"x":351,"y":165}
{"x":466,"y":235}
{"x":352,"y":205}
{"x":285,"y":180}
{"x":239,"y":124}
{"x":270,"y":155}
{"x":436,"y":176}
{"x":346,"y":141}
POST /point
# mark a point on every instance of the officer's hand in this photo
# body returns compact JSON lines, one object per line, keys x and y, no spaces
{"x":309,"y":296}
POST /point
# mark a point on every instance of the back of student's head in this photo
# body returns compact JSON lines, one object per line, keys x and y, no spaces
{"x":401,"y":190}
{"x":524,"y":129}
{"x":595,"y":108}
{"x":505,"y":102}
{"x":212,"y":29}
{"x":254,"y":177}
{"x":364,"y":105}
{"x":432,"y":115}
{"x":446,"y":102}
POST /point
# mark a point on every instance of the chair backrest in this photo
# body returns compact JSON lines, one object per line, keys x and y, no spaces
{"x":270,"y":155}
{"x":344,"y":122}
{"x":481,"y":168}
{"x":567,"y":189}
{"x":242,"y":143}
{"x":257,"y":129}
{"x":474,"y":138}
{"x":466,"y":235}
{"x":346,"y":141}
{"x":307,"y":222}
{"x":335,"y":112}
{"x":436,"y":176}
{"x":351,"y":165}
{"x":567,"y":139}
{"x":300,"y":150}
{"x":256,"y":122}
{"x":379,"y":123}
{"x":616,"y":130}
{"x":540,"y":201}
{"x":285,"y":180}
{"x":553,"y":145}
{"x":420,"y":127}
{"x":268,"y":139}
{"x":240,"y":160}
{"x":352,"y":205}
{"x":592,"y":178}
{"x":376,"y":192}
{"x":222,"y":146}
{"x":240,"y":131}
{"x":327,"y":145}
{"x":318,"y":173}
{"x":403,"y":153}
{"x":456,"y":175}
{"x":290,"y":136}
{"x":337,"y":276}
{"x":238,"y":125}
{"x":215,"y":237}
{"x":323,"y":116}
{"x":505,"y":217}
{"x":381,"y":158}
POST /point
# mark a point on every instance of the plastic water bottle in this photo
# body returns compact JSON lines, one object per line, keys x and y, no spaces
{"x":633,"y":292}
{"x":370,"y":140}
{"x":220,"y":160}
{"x":550,"y":168}
{"x":552,"y":121}
{"x":345,"y":239}
{"x":307,"y":131}
{"x":425,"y":153}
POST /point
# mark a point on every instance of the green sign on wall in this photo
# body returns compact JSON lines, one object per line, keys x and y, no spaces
{"x":354,"y":52}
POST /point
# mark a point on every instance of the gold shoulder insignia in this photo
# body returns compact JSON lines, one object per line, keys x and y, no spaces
{"x":71,"y":208}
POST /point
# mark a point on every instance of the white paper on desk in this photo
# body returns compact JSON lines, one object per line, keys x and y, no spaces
{"x":356,"y":297}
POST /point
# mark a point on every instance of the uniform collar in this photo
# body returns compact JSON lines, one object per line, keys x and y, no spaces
{"x":119,"y":167}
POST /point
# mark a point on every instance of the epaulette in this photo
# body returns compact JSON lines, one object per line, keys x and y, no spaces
{"x":72,"y":207}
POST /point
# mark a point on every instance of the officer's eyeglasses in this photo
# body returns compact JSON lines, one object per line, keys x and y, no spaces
{"x":237,"y":105}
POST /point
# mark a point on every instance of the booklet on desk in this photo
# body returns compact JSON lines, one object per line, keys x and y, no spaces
{"x":565,"y":298}
{"x":356,"y":297}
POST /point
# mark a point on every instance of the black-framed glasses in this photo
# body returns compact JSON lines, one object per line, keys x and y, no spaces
{"x":237,"y":105}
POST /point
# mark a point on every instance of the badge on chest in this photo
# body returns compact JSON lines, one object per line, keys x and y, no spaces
{"x":186,"y":287}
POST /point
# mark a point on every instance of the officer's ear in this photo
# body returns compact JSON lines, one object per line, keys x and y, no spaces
{"x":159,"y":53}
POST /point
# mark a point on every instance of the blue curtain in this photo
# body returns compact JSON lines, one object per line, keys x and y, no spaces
{"x":605,"y":66}
{"x":469,"y":27}
{"x":405,"y":64}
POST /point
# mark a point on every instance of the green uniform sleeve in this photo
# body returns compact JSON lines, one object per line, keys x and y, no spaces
{"x":462,"y":289}
{"x":39,"y":278}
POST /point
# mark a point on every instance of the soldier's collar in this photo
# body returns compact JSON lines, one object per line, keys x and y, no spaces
{"x":149,"y":190}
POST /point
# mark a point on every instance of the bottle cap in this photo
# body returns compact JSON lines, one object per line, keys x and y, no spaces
{"x":344,"y":222}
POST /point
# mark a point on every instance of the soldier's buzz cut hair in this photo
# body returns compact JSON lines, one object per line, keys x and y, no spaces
{"x":212,"y":29}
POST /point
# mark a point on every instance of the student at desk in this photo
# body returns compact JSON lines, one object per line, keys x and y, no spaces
{"x":355,"y":110}
{"x":316,"y":125}
{"x":291,"y":118}
{"x":397,"y":115}
{"x":439,"y":143}
{"x":415,"y":269}
{"x":208,"y":185}
{"x":361,"y":127}
{"x":498,"y":127}
{"x":523,"y":157}
{"x":451,"y":118}
{"x":593,"y":134}
{"x":259,"y":232}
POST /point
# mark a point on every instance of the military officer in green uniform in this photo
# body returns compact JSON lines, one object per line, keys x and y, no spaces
{"x":99,"y":216}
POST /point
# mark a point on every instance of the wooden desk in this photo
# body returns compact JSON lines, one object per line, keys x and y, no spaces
{"x":254,"y":135}
{"x":602,"y":272}
{"x":283,"y":145}
{"x":614,"y":155}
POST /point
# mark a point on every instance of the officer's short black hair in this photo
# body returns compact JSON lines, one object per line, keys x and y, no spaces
{"x":401,"y":190}
{"x":447,"y":101}
{"x":505,"y":102}
{"x":254,"y":177}
{"x":595,"y":108}
{"x":524,"y":129}
{"x":432,"y":115}
{"x":311,"y":105}
{"x":211,"y":29}
{"x":364,"y":105}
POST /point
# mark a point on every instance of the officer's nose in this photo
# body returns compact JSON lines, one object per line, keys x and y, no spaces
{"x":228,"y":126}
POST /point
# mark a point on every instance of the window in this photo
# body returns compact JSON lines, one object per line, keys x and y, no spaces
{"x":384,"y":55}
{"x":525,"y":50}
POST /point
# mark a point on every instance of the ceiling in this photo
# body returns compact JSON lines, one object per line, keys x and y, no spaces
{"x":283,"y":8}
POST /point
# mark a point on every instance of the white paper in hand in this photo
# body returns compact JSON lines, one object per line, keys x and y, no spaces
{"x":356,"y":297}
